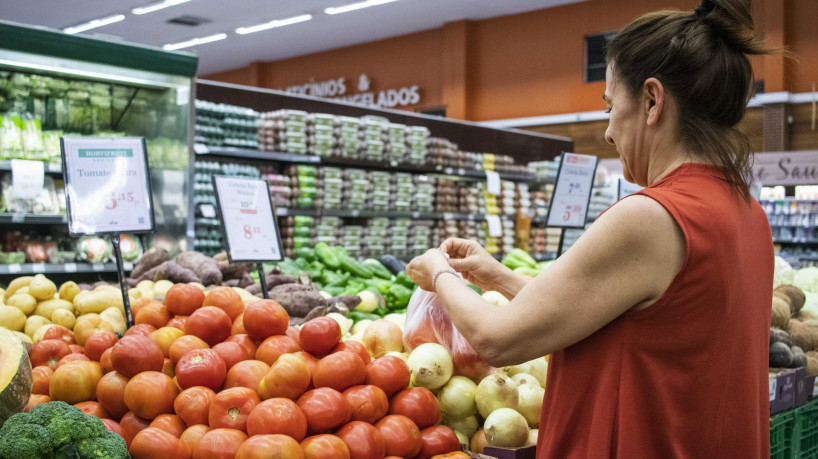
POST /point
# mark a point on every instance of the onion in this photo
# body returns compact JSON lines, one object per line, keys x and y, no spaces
{"x":525,"y":378}
{"x":478,"y":442}
{"x":382,"y":336}
{"x":457,"y":397}
{"x":495,"y":391}
{"x":467,"y":425}
{"x":360,"y":326}
{"x":530,"y":403}
{"x":506,"y":427}
{"x":401,"y":355}
{"x":344,"y":322}
{"x":431,"y":365}
{"x":537,"y":368}
{"x":533,"y":436}
{"x":463,"y":439}
{"x":397,"y":319}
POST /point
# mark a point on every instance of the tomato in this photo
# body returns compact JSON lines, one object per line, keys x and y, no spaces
{"x":170,"y":423}
{"x":76,"y":349}
{"x":105,"y":361}
{"x":325,"y":446}
{"x":193,"y":434}
{"x":133,"y":424}
{"x":48,"y":352}
{"x":274,"y":347}
{"x":418,"y":404}
{"x":319,"y":335}
{"x":294,"y":333}
{"x":368,"y":403}
{"x":390,"y":373}
{"x":75,"y":382}
{"x":74,"y":358}
{"x":312,"y":362}
{"x":231,"y":407}
{"x":140,"y":329}
{"x":94,"y":409}
{"x":41,"y":376}
{"x":277,"y":416}
{"x":89,"y":324}
{"x":238,"y":325}
{"x":355,"y":347}
{"x":135,"y":354}
{"x":232,"y":353}
{"x":177,"y":322}
{"x":209,"y":323}
{"x":184,"y":345}
{"x":265,"y":318}
{"x":289,"y":377}
{"x":193,"y":404}
{"x":246,"y":342}
{"x":438,"y":440}
{"x":114,"y":427}
{"x":165,"y":337}
{"x":363,"y":440}
{"x":169,"y":368}
{"x":267,"y":446}
{"x":339,"y":371}
{"x":34,"y":400}
{"x":401,"y":435}
{"x":325,"y":409}
{"x":95,"y":345}
{"x":153,"y":442}
{"x":247,"y":373}
{"x":140,"y":303}
{"x":150,"y":394}
{"x":183,"y":299}
{"x":226,"y":299}
{"x":219,"y":444}
{"x":201,"y":367}
{"x":61,"y":333}
{"x":155,"y":314}
{"x":111,"y":394}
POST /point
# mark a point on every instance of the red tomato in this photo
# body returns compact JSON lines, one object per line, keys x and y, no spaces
{"x":363,"y":440}
{"x":325,"y":446}
{"x":105,"y":361}
{"x":219,"y":444}
{"x":165,"y":337}
{"x":169,"y":368}
{"x":226,"y":299}
{"x":438,"y":440}
{"x":232,"y":353}
{"x":94,"y":409}
{"x":155,"y":314}
{"x":312,"y":362}
{"x":135,"y":354}
{"x":140,"y":329}
{"x":34,"y":400}
{"x":73,"y":358}
{"x":277,"y":416}
{"x":201,"y":367}
{"x":368,"y":403}
{"x":76,"y":348}
{"x":41,"y":376}
{"x":150,"y":394}
{"x":111,"y":394}
{"x":247,"y":373}
{"x":177,"y":322}
{"x":319,"y":335}
{"x":61,"y":333}
{"x":95,"y":345}
{"x":265,"y":318}
{"x":274,"y":347}
{"x":355,"y":347}
{"x":325,"y":409}
{"x":75,"y":382}
{"x":231,"y":407}
{"x":209,"y":323}
{"x":170,"y":423}
{"x":294,"y":333}
{"x":183,"y":299}
{"x":193,"y":434}
{"x":246,"y":342}
{"x":390,"y":373}
{"x":401,"y":435}
{"x":184,"y":345}
{"x":133,"y":424}
{"x":114,"y":427}
{"x":152,"y":442}
{"x":48,"y":352}
{"x":289,"y":377}
{"x":140,"y":303}
{"x":238,"y":325}
{"x":339,"y":371}
{"x":418,"y":404}
{"x":267,"y":446}
{"x":193,"y":404}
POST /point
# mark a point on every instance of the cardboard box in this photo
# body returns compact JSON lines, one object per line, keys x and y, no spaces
{"x":782,"y":390}
{"x":803,"y":386}
{"x":523,"y":452}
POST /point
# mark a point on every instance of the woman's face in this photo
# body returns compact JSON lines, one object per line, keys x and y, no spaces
{"x":626,"y":129}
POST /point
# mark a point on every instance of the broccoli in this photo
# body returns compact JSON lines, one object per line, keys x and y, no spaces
{"x":58,"y":430}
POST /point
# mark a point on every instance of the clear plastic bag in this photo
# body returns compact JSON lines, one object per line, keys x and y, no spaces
{"x":428,"y":322}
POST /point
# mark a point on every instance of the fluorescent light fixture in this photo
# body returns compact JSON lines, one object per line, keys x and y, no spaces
{"x":94,"y":24}
{"x":195,"y":41}
{"x":356,"y":6}
{"x":157,"y":6}
{"x":273,"y":24}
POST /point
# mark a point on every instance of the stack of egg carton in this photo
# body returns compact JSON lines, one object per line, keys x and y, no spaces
{"x":304,"y":233}
{"x":399,"y":237}
{"x":424,"y":194}
{"x":468,"y":198}
{"x":523,"y":201}
{"x":539,"y":203}
{"x":333,"y":187}
{"x":441,"y":152}
{"x":280,"y":189}
{"x":508,"y":198}
{"x":357,"y":189}
{"x":544,"y":169}
{"x":373,"y":128}
{"x":374,"y":237}
{"x":506,"y":242}
{"x":395,"y":142}
{"x":381,"y":190}
{"x":328,"y":230}
{"x":209,"y":123}
{"x":305,"y":181}
{"x":240,"y":126}
{"x":351,"y":239}
{"x":446,"y":196}
{"x":420,"y":236}
{"x":416,"y":139}
{"x":403,"y":192}
{"x":347,"y":131}
{"x":283,"y":130}
{"x":320,"y":134}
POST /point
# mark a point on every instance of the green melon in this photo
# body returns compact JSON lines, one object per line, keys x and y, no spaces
{"x":15,"y":375}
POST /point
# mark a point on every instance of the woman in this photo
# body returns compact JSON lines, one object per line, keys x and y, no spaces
{"x":657,"y":319}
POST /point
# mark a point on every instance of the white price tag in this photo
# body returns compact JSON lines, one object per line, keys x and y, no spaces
{"x":493,"y":182}
{"x":208,"y":211}
{"x":200,"y":148}
{"x":70,"y":267}
{"x":448,"y":170}
{"x":569,"y":203}
{"x":495,"y":226}
{"x":626,"y":188}
{"x":415,"y":215}
{"x":38,"y":268}
{"x":18,"y":218}
{"x":393,"y":163}
{"x":107,"y":185}
{"x":15,"y":268}
{"x":97,"y":267}
{"x":282,"y":211}
{"x":26,"y":178}
{"x":248,"y":220}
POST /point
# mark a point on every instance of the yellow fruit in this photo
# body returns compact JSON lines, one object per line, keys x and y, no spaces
{"x":33,"y":323}
{"x":64,"y":317}
{"x":42,"y":288}
{"x":114,"y":317}
{"x":12,"y":318}
{"x":134,"y":293}
{"x":23,"y":302}
{"x":15,"y":285}
{"x":68,"y":290}
{"x":47,"y":308}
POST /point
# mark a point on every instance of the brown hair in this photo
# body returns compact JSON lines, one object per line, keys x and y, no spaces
{"x":701,"y":59}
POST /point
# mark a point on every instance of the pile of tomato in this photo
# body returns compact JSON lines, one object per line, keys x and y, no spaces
{"x":204,"y":375}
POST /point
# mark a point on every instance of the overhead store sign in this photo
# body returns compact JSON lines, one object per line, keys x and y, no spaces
{"x":786,"y":168}
{"x":336,"y":88}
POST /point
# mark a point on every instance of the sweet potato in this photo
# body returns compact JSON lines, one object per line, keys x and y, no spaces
{"x":205,"y":268}
{"x":273,"y":280}
{"x":171,"y":271}
{"x":297,"y":299}
{"x":150,"y":259}
{"x":317,"y":311}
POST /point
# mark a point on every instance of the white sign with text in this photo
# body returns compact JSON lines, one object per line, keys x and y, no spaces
{"x":575,"y":179}
{"x":27,"y":178}
{"x":248,"y":219}
{"x":786,"y":168}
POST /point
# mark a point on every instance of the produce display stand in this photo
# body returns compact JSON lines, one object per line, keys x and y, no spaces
{"x":794,"y":433}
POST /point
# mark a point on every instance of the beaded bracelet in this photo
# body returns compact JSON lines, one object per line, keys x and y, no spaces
{"x":442,"y":271}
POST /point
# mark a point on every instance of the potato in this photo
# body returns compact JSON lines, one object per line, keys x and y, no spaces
{"x":2,"y":296}
{"x":64,"y":317}
{"x":245,"y":295}
{"x":115,"y":318}
{"x":160,"y":288}
{"x":47,"y":308}
{"x":42,"y":288}
{"x":99,"y":301}
{"x":145,"y":285}
{"x":33,"y":323}
{"x":134,"y":293}
{"x":68,"y":290}
{"x":40,"y":333}
{"x":12,"y":318}
{"x":23,"y":302}
{"x":81,"y":294}
{"x":15,"y":285}
{"x":198,"y":284}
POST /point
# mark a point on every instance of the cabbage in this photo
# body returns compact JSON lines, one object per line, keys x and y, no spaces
{"x":784,"y":274}
{"x":807,"y":279}
{"x":811,"y":303}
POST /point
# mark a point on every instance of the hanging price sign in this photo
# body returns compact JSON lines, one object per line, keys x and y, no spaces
{"x":572,"y":193}
{"x":248,"y":219}
{"x":626,"y":188}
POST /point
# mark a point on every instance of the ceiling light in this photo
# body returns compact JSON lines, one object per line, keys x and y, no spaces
{"x":273,"y":24}
{"x":157,"y":6}
{"x":356,"y":6}
{"x":195,"y":41}
{"x":94,"y":24}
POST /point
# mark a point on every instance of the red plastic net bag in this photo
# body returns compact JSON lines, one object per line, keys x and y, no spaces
{"x":428,"y":322}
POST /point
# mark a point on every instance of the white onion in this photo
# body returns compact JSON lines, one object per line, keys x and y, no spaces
{"x":467,"y":425}
{"x":478,"y":442}
{"x":360,"y":326}
{"x":525,"y":378}
{"x":457,"y":397}
{"x":530,"y":403}
{"x":397,"y":319}
{"x":382,"y":336}
{"x":431,"y":365}
{"x":537,"y":368}
{"x":495,"y":391}
{"x":463,"y":439}
{"x":506,"y":427}
{"x":533,"y":436}
{"x":344,"y":322}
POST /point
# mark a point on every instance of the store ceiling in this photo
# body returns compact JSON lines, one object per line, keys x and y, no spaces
{"x":323,"y":32}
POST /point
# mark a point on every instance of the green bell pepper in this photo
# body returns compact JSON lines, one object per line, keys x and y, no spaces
{"x":403,"y":279}
{"x":397,"y":296}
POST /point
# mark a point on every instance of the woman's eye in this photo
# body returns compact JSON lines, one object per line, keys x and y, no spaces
{"x":609,"y":110}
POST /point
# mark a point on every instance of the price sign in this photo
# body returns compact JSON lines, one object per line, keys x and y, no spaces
{"x":572,"y":193}
{"x":107,"y":185}
{"x":495,"y":226}
{"x":248,"y":219}
{"x":493,"y":182}
{"x":626,"y":188}
{"x":26,"y":178}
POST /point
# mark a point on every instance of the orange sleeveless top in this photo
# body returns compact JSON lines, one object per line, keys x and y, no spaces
{"x":687,"y":376}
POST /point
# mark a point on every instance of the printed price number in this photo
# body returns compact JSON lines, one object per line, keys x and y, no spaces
{"x":249,"y":231}
{"x":115,"y":199}
{"x":569,"y":211}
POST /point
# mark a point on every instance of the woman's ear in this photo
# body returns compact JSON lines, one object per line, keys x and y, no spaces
{"x":653,"y":96}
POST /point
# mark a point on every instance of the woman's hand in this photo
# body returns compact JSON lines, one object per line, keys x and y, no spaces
{"x":473,"y":262}
{"x":423,"y":268}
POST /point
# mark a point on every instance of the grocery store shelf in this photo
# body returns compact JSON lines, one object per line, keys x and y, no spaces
{"x":802,"y":225}
{"x":247,"y":153}
{"x":791,"y":241}
{"x":284,"y":212}
{"x":49,"y":168}
{"x":60,"y":268}
{"x":32,"y":219}
{"x":789,"y":199}
{"x":161,"y":220}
